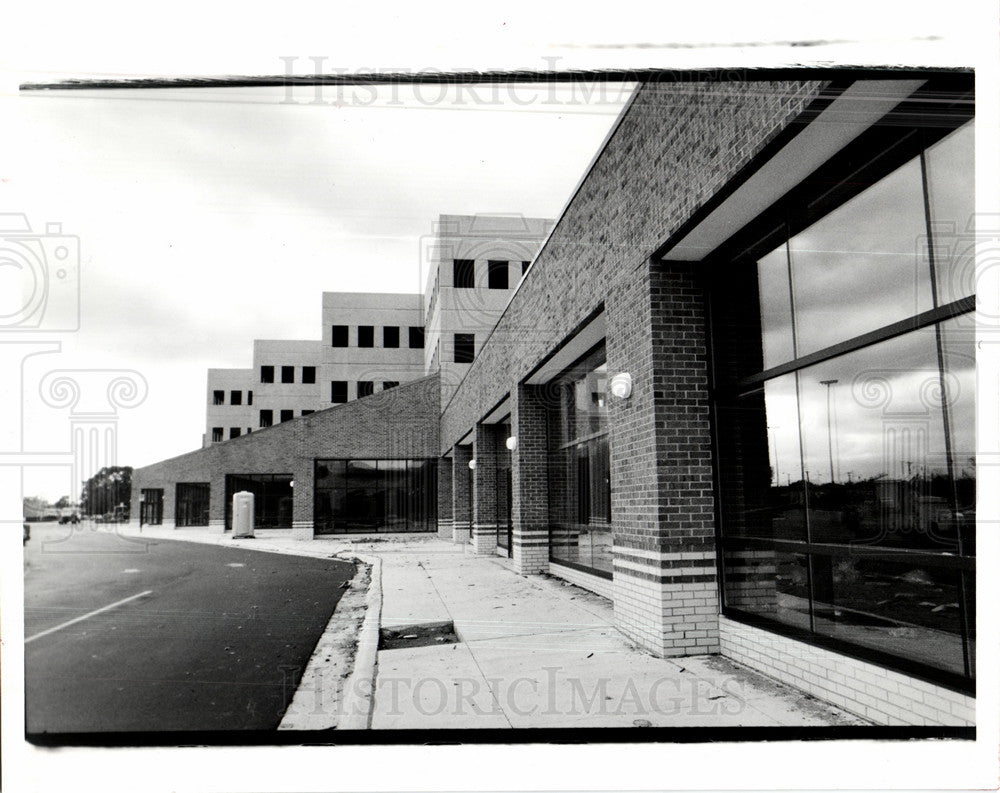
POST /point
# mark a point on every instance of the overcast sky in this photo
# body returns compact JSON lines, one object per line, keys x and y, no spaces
{"x":207,"y":219}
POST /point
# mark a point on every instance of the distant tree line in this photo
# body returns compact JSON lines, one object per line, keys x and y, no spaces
{"x":106,"y":489}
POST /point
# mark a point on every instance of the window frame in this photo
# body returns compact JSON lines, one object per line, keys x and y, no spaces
{"x":862,"y":164}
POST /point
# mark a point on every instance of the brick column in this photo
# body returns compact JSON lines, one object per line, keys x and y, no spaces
{"x":662,"y":507}
{"x":529,"y":481}
{"x":484,"y":493}
{"x":461,"y":494}
{"x":302,"y":503}
{"x":446,"y":523}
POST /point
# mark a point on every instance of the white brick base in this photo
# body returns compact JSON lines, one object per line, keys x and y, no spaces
{"x":592,"y":583}
{"x":878,"y":694}
{"x":217,"y":526}
{"x":302,"y":529}
{"x":484,"y":538}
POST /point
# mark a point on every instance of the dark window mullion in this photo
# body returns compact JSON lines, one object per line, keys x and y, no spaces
{"x":963,"y":594}
{"x":917,"y":322}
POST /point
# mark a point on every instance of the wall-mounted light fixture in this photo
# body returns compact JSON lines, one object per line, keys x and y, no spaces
{"x":512,"y":442}
{"x":621,"y":385}
{"x":472,"y":464}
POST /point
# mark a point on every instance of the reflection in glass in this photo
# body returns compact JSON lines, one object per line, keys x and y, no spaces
{"x":863,"y":462}
{"x":775,"y":307}
{"x":952,"y":202}
{"x":873,"y":446}
{"x":863,"y":255}
{"x":763,"y":495}
{"x":768,"y":583}
{"x":958,"y":352}
{"x":906,"y":608}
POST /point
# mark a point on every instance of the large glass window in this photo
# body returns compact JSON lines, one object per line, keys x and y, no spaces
{"x":375,"y":495}
{"x":272,"y":504}
{"x":151,"y":506}
{"x":192,"y":503}
{"x":844,"y":421}
{"x":579,"y":467}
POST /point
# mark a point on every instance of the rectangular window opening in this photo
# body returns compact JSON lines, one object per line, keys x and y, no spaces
{"x":464,"y":272}
{"x":497,"y":274}
{"x":465,"y":347}
{"x":338,"y":336}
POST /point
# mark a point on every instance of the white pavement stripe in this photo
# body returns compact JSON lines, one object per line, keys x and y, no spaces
{"x":86,"y":616}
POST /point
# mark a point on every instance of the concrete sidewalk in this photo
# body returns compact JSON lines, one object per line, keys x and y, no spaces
{"x":532,"y":651}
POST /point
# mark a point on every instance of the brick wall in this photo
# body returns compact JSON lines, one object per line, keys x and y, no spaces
{"x":461,"y":493}
{"x":675,"y":146}
{"x":529,"y":481}
{"x":446,"y":522}
{"x":878,"y":694}
{"x":484,"y":495}
{"x":399,"y":423}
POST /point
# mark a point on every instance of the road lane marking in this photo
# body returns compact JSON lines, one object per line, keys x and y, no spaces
{"x":87,"y":616}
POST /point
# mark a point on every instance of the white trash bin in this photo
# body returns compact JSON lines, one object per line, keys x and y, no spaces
{"x":242,"y":514}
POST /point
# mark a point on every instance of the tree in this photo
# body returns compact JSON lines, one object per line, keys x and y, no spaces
{"x":62,"y":503}
{"x":106,"y":489}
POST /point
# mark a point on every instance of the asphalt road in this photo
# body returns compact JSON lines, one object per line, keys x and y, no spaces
{"x":207,"y":638}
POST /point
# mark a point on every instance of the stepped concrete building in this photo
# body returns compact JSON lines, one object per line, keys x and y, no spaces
{"x":371,"y":342}
{"x":734,"y":392}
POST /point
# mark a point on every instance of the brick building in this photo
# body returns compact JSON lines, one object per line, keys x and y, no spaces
{"x":734,"y":391}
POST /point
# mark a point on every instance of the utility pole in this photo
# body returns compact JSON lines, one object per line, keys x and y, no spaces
{"x":829,"y":423}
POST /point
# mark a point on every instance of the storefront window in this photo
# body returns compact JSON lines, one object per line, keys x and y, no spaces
{"x":374,"y":495}
{"x":272,"y":504}
{"x":579,"y":467}
{"x":846,"y":436}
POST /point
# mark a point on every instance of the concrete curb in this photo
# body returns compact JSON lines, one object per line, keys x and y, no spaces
{"x":359,"y":689}
{"x":318,"y":702}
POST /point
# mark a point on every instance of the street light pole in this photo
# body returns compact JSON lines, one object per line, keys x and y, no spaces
{"x":829,"y":424}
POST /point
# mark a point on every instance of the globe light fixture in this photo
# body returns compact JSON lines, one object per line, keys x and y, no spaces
{"x":512,"y":442}
{"x":621,"y":385}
